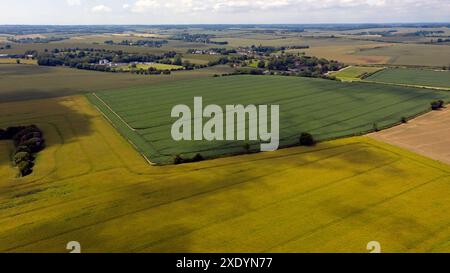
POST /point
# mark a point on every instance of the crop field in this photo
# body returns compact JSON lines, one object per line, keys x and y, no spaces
{"x":157,"y":66}
{"x":14,"y":61}
{"x":22,"y":82}
{"x":412,"y":54}
{"x":428,"y":135}
{"x":327,"y":109}
{"x":419,"y":77}
{"x":306,"y":196}
{"x":200,"y":59}
{"x":350,"y":54}
{"x":355,"y":73}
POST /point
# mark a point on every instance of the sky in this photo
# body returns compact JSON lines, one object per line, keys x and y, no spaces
{"x":70,"y":12}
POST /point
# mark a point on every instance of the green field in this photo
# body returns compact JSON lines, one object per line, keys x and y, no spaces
{"x":24,"y":82}
{"x":327,"y":109}
{"x":355,"y":73}
{"x":411,"y":54}
{"x":90,"y":185}
{"x":419,"y":77}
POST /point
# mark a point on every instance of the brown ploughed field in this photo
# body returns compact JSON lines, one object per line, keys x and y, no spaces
{"x":428,"y":135}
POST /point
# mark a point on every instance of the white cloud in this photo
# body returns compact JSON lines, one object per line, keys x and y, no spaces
{"x":101,"y":8}
{"x":245,"y":6}
{"x":228,"y":11}
{"x":73,"y":2}
{"x":141,"y":6}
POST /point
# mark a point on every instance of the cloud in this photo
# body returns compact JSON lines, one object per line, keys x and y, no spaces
{"x":126,"y":6}
{"x":73,"y":2}
{"x":101,"y":8}
{"x":141,"y":6}
{"x":245,"y":6}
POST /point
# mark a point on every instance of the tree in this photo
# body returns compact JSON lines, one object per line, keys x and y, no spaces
{"x":178,"y":160}
{"x":25,"y":167}
{"x":34,"y":144}
{"x":247,"y":147}
{"x":307,"y":139}
{"x":21,"y":156}
{"x":436,"y":105}
{"x":198,"y":158}
{"x":178,"y":60}
{"x":261,"y":64}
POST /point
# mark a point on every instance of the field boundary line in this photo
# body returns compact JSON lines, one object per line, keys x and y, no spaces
{"x":114,"y":112}
{"x":119,"y":130}
{"x":409,"y":85}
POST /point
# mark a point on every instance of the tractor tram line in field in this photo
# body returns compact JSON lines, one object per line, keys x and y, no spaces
{"x":368,"y":103}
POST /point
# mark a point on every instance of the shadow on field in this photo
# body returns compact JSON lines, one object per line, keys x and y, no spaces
{"x":61,"y":120}
{"x":5,"y":147}
{"x":34,"y":94}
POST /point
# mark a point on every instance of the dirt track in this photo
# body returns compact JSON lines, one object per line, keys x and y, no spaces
{"x":428,"y":135}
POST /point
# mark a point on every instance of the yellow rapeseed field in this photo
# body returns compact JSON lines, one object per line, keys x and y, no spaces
{"x":89,"y":185}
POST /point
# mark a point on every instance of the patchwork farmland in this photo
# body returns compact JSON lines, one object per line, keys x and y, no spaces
{"x":326,"y":109}
{"x":409,"y":76}
{"x":306,"y":196}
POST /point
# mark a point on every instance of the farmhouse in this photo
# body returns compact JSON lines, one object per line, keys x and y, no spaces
{"x":104,"y":62}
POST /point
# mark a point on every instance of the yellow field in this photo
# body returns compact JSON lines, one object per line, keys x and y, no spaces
{"x":14,"y":61}
{"x":355,"y":73}
{"x":89,"y":185}
{"x":157,"y":66}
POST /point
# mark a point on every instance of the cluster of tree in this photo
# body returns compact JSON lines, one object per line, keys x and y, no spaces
{"x":436,"y":105}
{"x":7,"y":46}
{"x":197,"y":38}
{"x":107,"y":60}
{"x":147,"y":43}
{"x":264,"y":50}
{"x":440,"y":40}
{"x":422,"y":33}
{"x":88,"y":58}
{"x":37,"y":40}
{"x":178,"y":60}
{"x":385,"y":33}
{"x":28,"y":140}
{"x":301,"y":65}
{"x":222,"y":51}
{"x":306,"y":139}
{"x":181,"y":160}
{"x":150,"y":71}
{"x":267,"y":50}
{"x":246,"y":71}
{"x":232,"y":60}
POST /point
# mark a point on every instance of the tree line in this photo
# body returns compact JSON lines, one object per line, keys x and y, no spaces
{"x":147,"y":43}
{"x":197,"y":38}
{"x":300,"y":65}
